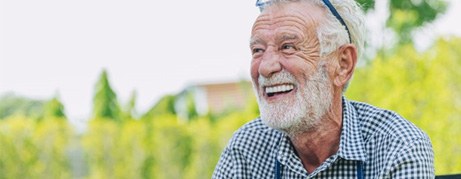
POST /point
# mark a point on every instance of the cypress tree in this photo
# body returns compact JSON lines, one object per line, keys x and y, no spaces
{"x":105,"y":103}
{"x":54,"y":108}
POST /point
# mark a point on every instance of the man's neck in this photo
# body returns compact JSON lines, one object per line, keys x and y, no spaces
{"x":316,"y":145}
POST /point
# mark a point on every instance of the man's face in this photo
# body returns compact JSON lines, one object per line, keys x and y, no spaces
{"x":291,"y":82}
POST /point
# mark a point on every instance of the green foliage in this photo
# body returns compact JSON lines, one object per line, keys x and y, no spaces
{"x":114,"y":150}
{"x":105,"y":101}
{"x":424,"y":88}
{"x":406,"y":16}
{"x":172,"y":157}
{"x":164,"y":147}
{"x":54,"y":108}
{"x":31,"y":149}
{"x":191,"y":109}
{"x":165,"y":106}
{"x":366,"y":4}
{"x":129,"y":111}
{"x":11,"y":105}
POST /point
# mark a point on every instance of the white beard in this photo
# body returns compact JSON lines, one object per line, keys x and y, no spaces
{"x":299,"y":114}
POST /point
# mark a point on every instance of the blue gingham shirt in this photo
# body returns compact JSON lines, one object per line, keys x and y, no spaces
{"x":387,"y":145}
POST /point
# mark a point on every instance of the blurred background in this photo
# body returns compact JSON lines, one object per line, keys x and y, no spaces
{"x":148,"y":89}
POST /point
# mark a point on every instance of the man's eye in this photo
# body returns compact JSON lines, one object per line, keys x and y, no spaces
{"x":288,"y":47}
{"x":257,"y":50}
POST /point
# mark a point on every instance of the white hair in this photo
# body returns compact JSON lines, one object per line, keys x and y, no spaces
{"x":331,"y":33}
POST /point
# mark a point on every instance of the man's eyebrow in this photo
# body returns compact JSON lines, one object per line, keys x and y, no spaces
{"x":286,"y":37}
{"x":283,"y":37}
{"x":254,"y":41}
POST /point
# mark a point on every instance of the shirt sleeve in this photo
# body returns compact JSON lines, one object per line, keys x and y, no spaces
{"x":414,"y":161}
{"x":232,"y":164}
{"x":225,"y":165}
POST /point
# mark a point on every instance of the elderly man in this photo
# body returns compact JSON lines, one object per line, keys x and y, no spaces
{"x":304,"y":54}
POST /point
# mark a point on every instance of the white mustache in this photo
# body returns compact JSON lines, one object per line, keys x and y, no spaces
{"x":282,"y":77}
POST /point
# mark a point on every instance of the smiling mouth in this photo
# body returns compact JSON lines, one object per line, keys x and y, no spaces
{"x":278,"y":89}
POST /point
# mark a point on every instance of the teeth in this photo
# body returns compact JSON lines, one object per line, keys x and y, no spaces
{"x":279,"y":88}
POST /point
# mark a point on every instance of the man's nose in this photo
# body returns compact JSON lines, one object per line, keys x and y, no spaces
{"x":270,"y":64}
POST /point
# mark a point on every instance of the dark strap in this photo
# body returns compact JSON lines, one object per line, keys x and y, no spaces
{"x":336,"y":14}
{"x":360,"y":170}
{"x":278,"y":169}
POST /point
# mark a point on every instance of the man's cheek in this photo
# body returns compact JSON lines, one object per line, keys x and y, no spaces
{"x":254,"y":72}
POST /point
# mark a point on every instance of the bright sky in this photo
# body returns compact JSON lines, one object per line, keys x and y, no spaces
{"x":60,"y":47}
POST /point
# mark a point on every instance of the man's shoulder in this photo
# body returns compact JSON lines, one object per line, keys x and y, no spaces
{"x":376,"y":121}
{"x":394,"y":146}
{"x":254,"y":133}
{"x":250,"y":152}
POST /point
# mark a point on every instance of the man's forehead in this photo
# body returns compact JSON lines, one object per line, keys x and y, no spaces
{"x":287,"y":21}
{"x":300,"y":13}
{"x":278,"y":37}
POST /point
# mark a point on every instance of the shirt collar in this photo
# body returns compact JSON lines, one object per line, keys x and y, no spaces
{"x":351,"y":146}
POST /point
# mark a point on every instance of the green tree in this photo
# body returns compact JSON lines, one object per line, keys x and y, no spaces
{"x":54,"y":108}
{"x":106,"y":105}
{"x":129,"y":111}
{"x":165,"y":106}
{"x":191,"y":109}
{"x":11,"y":104}
{"x":406,"y":16}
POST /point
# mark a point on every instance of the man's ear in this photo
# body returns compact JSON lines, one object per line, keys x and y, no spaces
{"x":346,"y":64}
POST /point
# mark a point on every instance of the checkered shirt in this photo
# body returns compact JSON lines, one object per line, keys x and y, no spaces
{"x":388,"y":146}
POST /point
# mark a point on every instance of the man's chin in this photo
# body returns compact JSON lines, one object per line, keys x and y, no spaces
{"x":291,"y":126}
{"x":279,"y":122}
{"x":276,"y":125}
